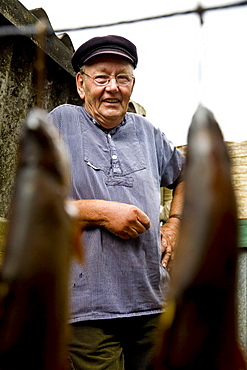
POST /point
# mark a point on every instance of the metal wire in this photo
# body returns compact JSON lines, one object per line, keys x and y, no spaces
{"x":31,"y":30}
{"x":26,"y":30}
{"x":200,"y":10}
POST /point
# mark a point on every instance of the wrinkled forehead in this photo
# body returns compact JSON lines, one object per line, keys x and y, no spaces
{"x":108,"y":62}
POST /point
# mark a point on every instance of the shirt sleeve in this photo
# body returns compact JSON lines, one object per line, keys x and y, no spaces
{"x":171,"y":162}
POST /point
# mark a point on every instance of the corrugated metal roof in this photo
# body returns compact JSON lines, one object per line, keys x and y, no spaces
{"x":59,"y":49}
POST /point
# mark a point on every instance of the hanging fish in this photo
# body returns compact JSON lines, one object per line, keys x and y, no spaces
{"x":42,"y":234}
{"x":198,"y":330}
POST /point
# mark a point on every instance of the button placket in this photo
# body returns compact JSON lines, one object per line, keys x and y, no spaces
{"x":116,"y":169}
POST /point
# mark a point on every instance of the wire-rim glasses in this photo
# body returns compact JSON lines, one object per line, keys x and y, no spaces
{"x":104,"y":80}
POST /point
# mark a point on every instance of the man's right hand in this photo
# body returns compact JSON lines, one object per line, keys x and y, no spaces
{"x":124,"y":220}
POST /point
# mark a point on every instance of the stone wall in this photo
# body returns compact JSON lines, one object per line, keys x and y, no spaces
{"x":18,"y":87}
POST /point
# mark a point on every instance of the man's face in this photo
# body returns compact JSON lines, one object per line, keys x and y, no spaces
{"x":107,"y":104}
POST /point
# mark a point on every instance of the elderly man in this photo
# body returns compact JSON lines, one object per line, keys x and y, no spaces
{"x":119,"y":161}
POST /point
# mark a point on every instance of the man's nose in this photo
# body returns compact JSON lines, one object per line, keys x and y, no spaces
{"x":112,"y":85}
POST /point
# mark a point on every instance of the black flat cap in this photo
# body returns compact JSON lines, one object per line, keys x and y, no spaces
{"x":104,"y":45}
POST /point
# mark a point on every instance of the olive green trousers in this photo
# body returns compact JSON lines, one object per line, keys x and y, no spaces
{"x":115,"y":344}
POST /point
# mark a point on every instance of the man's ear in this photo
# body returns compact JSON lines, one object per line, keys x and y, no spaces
{"x":79,"y":85}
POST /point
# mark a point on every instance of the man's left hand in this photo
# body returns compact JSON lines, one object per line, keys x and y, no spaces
{"x":169,"y":234}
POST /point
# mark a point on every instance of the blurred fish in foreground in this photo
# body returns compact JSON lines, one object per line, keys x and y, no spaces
{"x":199,"y":329}
{"x":41,"y":235}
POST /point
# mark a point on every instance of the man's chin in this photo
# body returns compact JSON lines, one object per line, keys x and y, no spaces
{"x":111,"y":119}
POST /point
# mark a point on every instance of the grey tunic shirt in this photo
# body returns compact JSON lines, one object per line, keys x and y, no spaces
{"x":129,"y":164}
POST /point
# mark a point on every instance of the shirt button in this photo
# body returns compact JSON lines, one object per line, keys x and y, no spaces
{"x":114,"y":156}
{"x":109,"y":135}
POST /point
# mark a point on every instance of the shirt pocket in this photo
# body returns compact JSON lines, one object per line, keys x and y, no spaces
{"x":116,"y":157}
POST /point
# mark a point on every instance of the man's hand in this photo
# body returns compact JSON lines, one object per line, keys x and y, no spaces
{"x":169,"y":234}
{"x":124,"y":220}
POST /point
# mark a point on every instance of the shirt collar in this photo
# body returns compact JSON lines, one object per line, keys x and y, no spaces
{"x":96,"y":123}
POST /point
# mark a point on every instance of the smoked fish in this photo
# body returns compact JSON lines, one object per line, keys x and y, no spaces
{"x":199,"y":328}
{"x":41,"y":235}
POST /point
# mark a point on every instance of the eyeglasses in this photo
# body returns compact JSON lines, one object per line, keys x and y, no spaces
{"x":104,"y":80}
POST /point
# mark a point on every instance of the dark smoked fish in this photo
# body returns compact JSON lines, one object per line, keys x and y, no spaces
{"x":199,"y":329}
{"x":41,"y":236}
